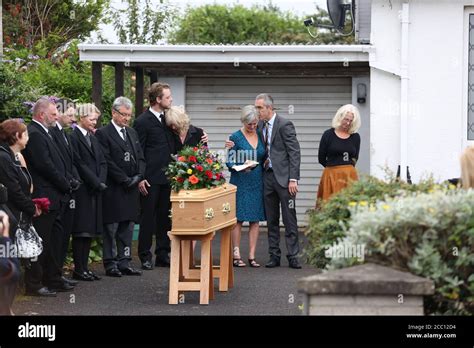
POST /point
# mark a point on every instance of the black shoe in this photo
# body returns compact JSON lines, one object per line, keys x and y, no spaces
{"x":147,"y":266}
{"x":114,"y":272}
{"x":45,"y":292}
{"x":93,"y":275}
{"x":273,"y":263}
{"x":130,"y":271}
{"x":293,"y":263}
{"x":62,"y":288}
{"x":84,"y":276}
{"x":162,"y":262}
{"x":69,"y":281}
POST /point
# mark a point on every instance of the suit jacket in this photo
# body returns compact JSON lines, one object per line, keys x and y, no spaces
{"x":92,"y":169}
{"x":18,"y":181}
{"x":158,"y":143}
{"x":284,"y":150}
{"x":66,"y":151}
{"x":46,"y":165}
{"x":193,"y":137}
{"x":121,"y":203}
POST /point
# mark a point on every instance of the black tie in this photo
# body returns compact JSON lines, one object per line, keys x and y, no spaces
{"x":88,"y":139}
{"x":49,"y":135}
{"x":124,"y":134}
{"x":162,"y":118}
{"x":266,"y":128}
{"x":64,"y":135}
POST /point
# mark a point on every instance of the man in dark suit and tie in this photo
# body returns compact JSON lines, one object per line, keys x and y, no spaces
{"x":48,"y":169}
{"x":281,"y":175}
{"x":63,"y":225}
{"x":126,"y":169}
{"x":158,"y":143}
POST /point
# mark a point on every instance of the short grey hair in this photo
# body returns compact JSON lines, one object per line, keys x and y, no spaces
{"x":248,"y":114}
{"x":41,"y":105}
{"x":267,"y":99}
{"x":122,"y":101}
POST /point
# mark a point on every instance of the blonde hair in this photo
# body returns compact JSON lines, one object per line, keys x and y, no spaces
{"x":84,"y":110}
{"x":467,"y":168}
{"x":175,"y":116}
{"x":342,"y":112}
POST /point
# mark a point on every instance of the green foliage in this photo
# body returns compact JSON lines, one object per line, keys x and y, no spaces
{"x":221,"y":24}
{"x":428,"y":234}
{"x":147,"y":26}
{"x":328,"y":224}
{"x":54,"y":22}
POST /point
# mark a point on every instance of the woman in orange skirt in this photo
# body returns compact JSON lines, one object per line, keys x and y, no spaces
{"x":339,"y":152}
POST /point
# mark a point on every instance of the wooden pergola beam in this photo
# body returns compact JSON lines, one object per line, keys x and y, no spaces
{"x":97,"y":84}
{"x":119,"y":79}
{"x":139,"y":91}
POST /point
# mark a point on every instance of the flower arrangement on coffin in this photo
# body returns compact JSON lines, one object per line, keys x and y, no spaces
{"x":195,"y":168}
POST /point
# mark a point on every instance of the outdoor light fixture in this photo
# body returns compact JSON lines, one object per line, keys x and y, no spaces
{"x":361,"y":93}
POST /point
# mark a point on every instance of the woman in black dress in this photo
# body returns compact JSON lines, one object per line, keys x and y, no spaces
{"x":92,"y":168}
{"x":186,"y":133}
{"x":338,"y":152}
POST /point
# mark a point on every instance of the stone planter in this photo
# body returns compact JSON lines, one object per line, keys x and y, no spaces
{"x":368,"y":289}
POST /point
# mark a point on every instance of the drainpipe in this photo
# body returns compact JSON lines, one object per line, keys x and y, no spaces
{"x":404,"y":90}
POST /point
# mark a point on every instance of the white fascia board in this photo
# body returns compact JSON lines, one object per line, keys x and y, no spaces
{"x":224,"y":54}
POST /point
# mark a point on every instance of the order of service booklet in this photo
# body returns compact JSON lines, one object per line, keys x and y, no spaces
{"x":249,"y":164}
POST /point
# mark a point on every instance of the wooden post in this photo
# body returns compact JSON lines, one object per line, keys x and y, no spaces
{"x":153,"y":77}
{"x":139,"y":91}
{"x":97,"y":84}
{"x":119,"y":83}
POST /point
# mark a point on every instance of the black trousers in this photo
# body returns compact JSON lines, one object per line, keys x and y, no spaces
{"x":274,"y":197}
{"x":117,"y":246}
{"x":155,"y":221}
{"x":62,"y":232}
{"x":44,"y":270}
{"x":81,"y":247}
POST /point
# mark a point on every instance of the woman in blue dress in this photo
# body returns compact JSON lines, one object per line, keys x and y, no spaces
{"x":248,"y":146}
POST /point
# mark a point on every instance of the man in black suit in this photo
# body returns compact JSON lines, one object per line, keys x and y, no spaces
{"x":49,"y":173}
{"x":63,"y":225}
{"x":158,"y":143}
{"x":126,"y":168}
{"x":280,"y":180}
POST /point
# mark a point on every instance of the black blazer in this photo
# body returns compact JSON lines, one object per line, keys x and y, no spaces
{"x":93,"y":171}
{"x":46,"y":165}
{"x":18,"y":181}
{"x":158,"y":143}
{"x":193,"y":137}
{"x":121,"y":203}
{"x":66,"y":151}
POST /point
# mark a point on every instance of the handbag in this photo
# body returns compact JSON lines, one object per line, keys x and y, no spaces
{"x":28,"y":243}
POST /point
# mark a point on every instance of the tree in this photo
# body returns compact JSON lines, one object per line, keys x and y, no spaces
{"x":220,"y":24}
{"x":55,"y":22}
{"x":141,"y":23}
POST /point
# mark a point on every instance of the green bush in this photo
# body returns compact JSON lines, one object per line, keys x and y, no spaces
{"x":327,"y":224}
{"x":427,"y":234}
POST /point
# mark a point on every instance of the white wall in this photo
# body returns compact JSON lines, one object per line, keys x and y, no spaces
{"x":435,"y":86}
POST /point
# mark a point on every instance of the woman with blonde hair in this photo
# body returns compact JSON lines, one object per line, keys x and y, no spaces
{"x":186,"y":133}
{"x":338,"y":152}
{"x":467,"y":168}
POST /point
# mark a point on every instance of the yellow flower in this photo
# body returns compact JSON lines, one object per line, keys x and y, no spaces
{"x":217,"y":166}
{"x":352,"y":204}
{"x":385,"y":207}
{"x":363,"y":203}
{"x":190,"y":171}
{"x":430,"y":191}
{"x":451,"y":187}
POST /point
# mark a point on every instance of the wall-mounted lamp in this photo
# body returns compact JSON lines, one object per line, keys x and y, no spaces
{"x":361,"y":93}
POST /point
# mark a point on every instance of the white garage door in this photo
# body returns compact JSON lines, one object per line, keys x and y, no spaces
{"x":214,"y":104}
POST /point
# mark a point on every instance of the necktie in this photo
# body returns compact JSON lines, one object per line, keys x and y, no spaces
{"x":64,"y":135}
{"x":266,"y":132}
{"x":124,"y":134}
{"x":49,"y":135}
{"x":88,"y":139}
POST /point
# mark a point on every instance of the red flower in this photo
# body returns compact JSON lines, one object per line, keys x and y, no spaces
{"x":199,"y":168}
{"x":42,"y":203}
{"x":218,"y":176}
{"x":181,"y":159}
{"x":195,"y":149}
{"x":209,"y":174}
{"x":192,"y":159}
{"x":180,"y":179}
{"x":193,"y":179}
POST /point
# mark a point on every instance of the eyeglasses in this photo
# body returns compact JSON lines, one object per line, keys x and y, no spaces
{"x":123,"y":115}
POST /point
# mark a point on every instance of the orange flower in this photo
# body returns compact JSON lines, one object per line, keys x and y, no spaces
{"x":208,"y":160}
{"x":181,"y":159}
{"x":193,"y":179}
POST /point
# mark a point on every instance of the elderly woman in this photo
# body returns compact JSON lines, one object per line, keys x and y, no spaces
{"x":339,"y":152}
{"x":92,"y":168}
{"x":467,"y":168}
{"x":186,"y":133}
{"x":14,"y":175}
{"x":248,"y":146}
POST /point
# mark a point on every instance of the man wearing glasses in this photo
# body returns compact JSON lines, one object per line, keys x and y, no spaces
{"x":126,"y":168}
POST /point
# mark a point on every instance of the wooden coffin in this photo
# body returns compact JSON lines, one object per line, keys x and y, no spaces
{"x":203,"y":211}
